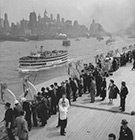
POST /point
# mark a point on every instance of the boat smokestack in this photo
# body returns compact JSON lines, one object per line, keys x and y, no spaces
{"x":41,"y":49}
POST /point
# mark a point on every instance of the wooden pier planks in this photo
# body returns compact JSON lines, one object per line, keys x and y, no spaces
{"x":93,"y":121}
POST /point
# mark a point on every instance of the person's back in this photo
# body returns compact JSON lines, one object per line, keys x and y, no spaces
{"x":22,"y":129}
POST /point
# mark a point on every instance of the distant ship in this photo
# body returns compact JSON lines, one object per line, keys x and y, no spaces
{"x":99,"y":38}
{"x":60,"y":36}
{"x":77,"y":39}
{"x":110,"y":41}
{"x":12,"y":38}
{"x":42,"y":60}
{"x":66,"y":43}
{"x":131,"y":36}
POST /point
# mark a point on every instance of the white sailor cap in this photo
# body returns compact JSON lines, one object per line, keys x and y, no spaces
{"x":16,"y":102}
{"x":23,"y":99}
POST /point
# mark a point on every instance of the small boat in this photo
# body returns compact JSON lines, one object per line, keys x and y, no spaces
{"x":110,"y":41}
{"x":42,"y":60}
{"x":66,"y":43}
{"x":60,"y":36}
{"x":77,"y":39}
{"x":99,"y":38}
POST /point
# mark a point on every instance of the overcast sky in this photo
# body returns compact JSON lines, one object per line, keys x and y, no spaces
{"x":112,"y":14}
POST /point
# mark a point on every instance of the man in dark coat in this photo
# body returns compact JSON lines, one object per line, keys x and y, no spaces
{"x":74,"y":88}
{"x":68,"y":91}
{"x":9,"y":121}
{"x":27,"y":108}
{"x":98,"y":84}
{"x":125,"y":132}
{"x":58,"y":91}
{"x":42,"y":108}
{"x":84,"y":75}
{"x":123,"y":94}
{"x":114,"y":64}
{"x":34,"y":111}
{"x":88,"y":81}
{"x":103,"y":89}
{"x":53,"y":99}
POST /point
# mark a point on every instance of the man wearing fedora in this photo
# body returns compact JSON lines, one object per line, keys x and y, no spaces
{"x":125,"y":132}
{"x":123,"y":94}
{"x":9,"y":115}
{"x":27,"y":108}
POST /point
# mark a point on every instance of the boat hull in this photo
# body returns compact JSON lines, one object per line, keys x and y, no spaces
{"x":42,"y":67}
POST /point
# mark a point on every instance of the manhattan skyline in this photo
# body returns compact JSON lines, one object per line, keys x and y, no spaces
{"x":111,"y":14}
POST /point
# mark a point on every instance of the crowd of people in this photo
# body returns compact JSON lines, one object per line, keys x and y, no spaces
{"x":58,"y":97}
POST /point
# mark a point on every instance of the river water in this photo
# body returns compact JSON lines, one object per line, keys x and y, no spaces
{"x":85,"y":49}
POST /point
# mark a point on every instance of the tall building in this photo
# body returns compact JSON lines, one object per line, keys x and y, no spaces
{"x":32,"y":21}
{"x":51,"y":17}
{"x":1,"y":22}
{"x":68,"y":22}
{"x":96,"y":29}
{"x":39,"y":18}
{"x":58,"y":19}
{"x":75,"y":24}
{"x":45,"y":14}
{"x":63,"y":20}
{"x":6,"y":22}
{"x":23,"y":26}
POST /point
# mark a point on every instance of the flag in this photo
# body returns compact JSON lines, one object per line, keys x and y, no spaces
{"x":29,"y":90}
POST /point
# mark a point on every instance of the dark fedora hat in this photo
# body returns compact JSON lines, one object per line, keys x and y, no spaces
{"x":123,"y":83}
{"x":112,"y":81}
{"x":42,"y":89}
{"x":7,"y":104}
{"x":124,"y":122}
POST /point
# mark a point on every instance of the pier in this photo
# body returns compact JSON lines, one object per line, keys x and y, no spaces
{"x":93,"y":121}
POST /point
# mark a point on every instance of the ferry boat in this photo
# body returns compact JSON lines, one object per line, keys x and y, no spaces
{"x":42,"y":60}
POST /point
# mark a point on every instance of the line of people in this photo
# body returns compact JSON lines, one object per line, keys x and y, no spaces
{"x":92,"y":80}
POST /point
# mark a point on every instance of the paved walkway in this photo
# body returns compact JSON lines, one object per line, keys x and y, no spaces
{"x":93,"y":121}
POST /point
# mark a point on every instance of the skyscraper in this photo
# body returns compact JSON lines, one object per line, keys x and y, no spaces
{"x":62,"y":20}
{"x":1,"y":22}
{"x":6,"y":22}
{"x":58,"y":19}
{"x":32,"y":21}
{"x":51,"y":17}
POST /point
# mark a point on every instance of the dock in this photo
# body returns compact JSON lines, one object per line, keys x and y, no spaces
{"x":93,"y":121}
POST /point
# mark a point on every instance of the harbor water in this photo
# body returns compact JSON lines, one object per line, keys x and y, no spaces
{"x":85,"y":50}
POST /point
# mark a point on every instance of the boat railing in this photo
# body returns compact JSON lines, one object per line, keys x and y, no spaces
{"x":44,"y":55}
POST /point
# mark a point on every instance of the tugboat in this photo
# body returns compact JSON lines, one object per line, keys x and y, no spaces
{"x":42,"y":60}
{"x":77,"y":39}
{"x":110,"y":41}
{"x":66,"y":43}
{"x":99,"y":38}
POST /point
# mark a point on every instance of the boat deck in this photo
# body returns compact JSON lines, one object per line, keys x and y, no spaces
{"x":93,"y":121}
